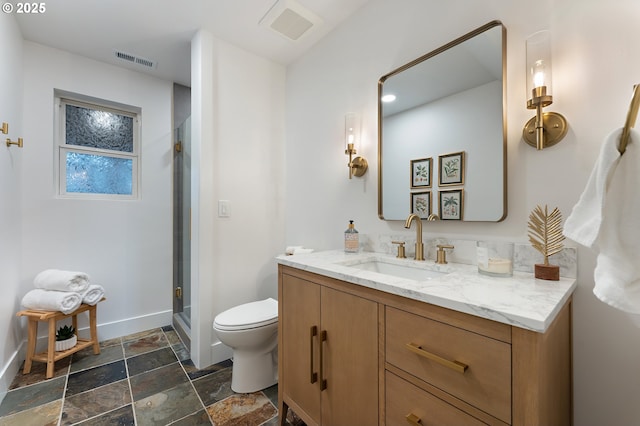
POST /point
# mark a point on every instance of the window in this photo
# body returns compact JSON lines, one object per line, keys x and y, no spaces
{"x":98,"y":152}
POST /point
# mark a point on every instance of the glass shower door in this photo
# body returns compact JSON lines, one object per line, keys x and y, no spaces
{"x":182,"y":231}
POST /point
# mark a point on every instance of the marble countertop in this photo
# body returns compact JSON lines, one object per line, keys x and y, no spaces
{"x":521,"y":300}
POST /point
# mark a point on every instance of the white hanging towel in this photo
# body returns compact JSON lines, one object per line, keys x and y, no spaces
{"x":56,"y":279}
{"x":607,"y":218}
{"x":51,"y":300}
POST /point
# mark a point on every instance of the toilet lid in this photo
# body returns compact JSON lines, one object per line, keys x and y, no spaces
{"x":248,"y":315}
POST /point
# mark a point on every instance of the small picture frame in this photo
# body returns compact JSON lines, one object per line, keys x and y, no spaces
{"x":451,"y":204}
{"x":451,"y":169}
{"x":421,"y":204}
{"x":421,"y":171}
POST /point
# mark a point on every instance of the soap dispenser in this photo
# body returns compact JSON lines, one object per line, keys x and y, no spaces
{"x":351,"y":239}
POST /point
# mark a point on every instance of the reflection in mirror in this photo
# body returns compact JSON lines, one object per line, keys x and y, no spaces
{"x":447,"y":114}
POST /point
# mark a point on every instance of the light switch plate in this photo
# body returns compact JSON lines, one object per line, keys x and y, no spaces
{"x":224,"y":207}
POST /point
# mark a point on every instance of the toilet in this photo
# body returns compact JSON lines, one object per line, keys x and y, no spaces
{"x":251,"y":330}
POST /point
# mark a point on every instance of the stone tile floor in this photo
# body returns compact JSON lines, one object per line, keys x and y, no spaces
{"x":145,"y":378}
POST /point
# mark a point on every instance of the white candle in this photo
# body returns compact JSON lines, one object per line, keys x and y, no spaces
{"x":496,"y":266}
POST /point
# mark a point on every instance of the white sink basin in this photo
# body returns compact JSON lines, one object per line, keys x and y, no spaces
{"x":400,"y":271}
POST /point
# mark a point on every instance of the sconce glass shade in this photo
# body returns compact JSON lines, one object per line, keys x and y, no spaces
{"x":350,"y":130}
{"x":539,"y":65}
{"x":358,"y":165}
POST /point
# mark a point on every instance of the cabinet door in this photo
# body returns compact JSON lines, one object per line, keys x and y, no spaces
{"x":300,"y":302}
{"x":350,"y":358}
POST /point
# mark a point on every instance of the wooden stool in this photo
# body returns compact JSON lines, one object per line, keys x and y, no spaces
{"x":51,"y":356}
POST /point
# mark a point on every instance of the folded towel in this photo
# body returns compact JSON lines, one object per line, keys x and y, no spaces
{"x":55,"y":279}
{"x":297,"y":250}
{"x":605,"y":218}
{"x":92,"y":294}
{"x":46,"y":300}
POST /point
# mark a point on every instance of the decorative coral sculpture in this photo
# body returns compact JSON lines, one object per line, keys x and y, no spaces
{"x":545,"y":235}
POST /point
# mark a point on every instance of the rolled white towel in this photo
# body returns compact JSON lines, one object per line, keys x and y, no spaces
{"x":291,"y":250}
{"x":45,"y":300}
{"x":93,"y":294}
{"x":56,"y":279}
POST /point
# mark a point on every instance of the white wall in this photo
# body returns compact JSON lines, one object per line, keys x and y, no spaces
{"x":238,"y":109}
{"x":125,"y":246}
{"x":10,"y":215}
{"x":595,"y":66}
{"x":238,"y":150}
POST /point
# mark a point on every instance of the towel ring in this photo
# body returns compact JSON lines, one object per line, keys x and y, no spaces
{"x":631,"y":119}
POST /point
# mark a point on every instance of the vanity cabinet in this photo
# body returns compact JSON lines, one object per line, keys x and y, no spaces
{"x":392,"y":360}
{"x":328,"y":351}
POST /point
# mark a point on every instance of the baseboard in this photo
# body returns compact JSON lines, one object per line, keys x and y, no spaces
{"x":11,"y":369}
{"x":220,"y":352}
{"x":127,"y":326}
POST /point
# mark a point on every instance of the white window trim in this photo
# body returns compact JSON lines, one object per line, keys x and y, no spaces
{"x":61,"y":148}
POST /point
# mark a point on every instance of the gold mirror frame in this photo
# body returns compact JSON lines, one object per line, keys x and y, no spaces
{"x":434,"y":188}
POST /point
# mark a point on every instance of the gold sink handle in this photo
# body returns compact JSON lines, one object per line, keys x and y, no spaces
{"x":401,"y":253}
{"x":441,"y":255}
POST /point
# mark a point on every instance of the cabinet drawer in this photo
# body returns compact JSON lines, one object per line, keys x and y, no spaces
{"x":438,"y":353}
{"x":404,"y":399}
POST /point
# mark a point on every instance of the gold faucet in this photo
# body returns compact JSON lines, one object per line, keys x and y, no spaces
{"x":419,"y":245}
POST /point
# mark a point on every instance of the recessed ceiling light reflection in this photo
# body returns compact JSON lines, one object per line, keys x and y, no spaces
{"x":388,"y":98}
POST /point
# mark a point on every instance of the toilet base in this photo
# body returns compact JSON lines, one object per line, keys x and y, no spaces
{"x":253,"y":372}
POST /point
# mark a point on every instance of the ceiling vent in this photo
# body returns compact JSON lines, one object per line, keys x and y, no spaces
{"x":137,"y":60}
{"x":290,"y":19}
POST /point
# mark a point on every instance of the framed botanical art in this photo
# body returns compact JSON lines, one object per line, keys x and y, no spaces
{"x":421,"y":204}
{"x":421,"y":170}
{"x":451,"y":204}
{"x":451,"y":169}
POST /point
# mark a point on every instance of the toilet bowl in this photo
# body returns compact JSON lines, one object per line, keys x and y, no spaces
{"x":251,"y":330}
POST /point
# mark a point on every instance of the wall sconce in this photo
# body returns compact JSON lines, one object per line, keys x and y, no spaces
{"x":545,"y":129}
{"x":358,"y":165}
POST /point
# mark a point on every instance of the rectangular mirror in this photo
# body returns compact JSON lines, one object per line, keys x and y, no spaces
{"x":442,"y":140}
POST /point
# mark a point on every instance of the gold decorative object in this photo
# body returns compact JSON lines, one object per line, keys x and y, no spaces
{"x":545,"y":235}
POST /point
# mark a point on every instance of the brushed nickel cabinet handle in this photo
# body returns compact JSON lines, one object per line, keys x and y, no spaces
{"x":454,"y":365}
{"x":323,"y":381}
{"x":313,"y":376}
{"x":414,"y":420}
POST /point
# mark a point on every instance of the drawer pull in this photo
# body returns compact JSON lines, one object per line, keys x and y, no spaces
{"x":454,"y":365}
{"x":313,"y":376}
{"x":414,"y":420}
{"x":323,"y":381}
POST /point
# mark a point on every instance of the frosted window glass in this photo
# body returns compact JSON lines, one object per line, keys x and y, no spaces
{"x":98,"y":129}
{"x":98,"y":174}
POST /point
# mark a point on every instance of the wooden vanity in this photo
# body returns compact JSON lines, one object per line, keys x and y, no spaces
{"x":353,"y":355}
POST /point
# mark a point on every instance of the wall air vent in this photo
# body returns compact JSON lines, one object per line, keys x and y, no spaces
{"x":290,"y":19}
{"x":137,"y":60}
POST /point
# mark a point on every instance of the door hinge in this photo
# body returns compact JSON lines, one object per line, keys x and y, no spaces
{"x":179,"y":292}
